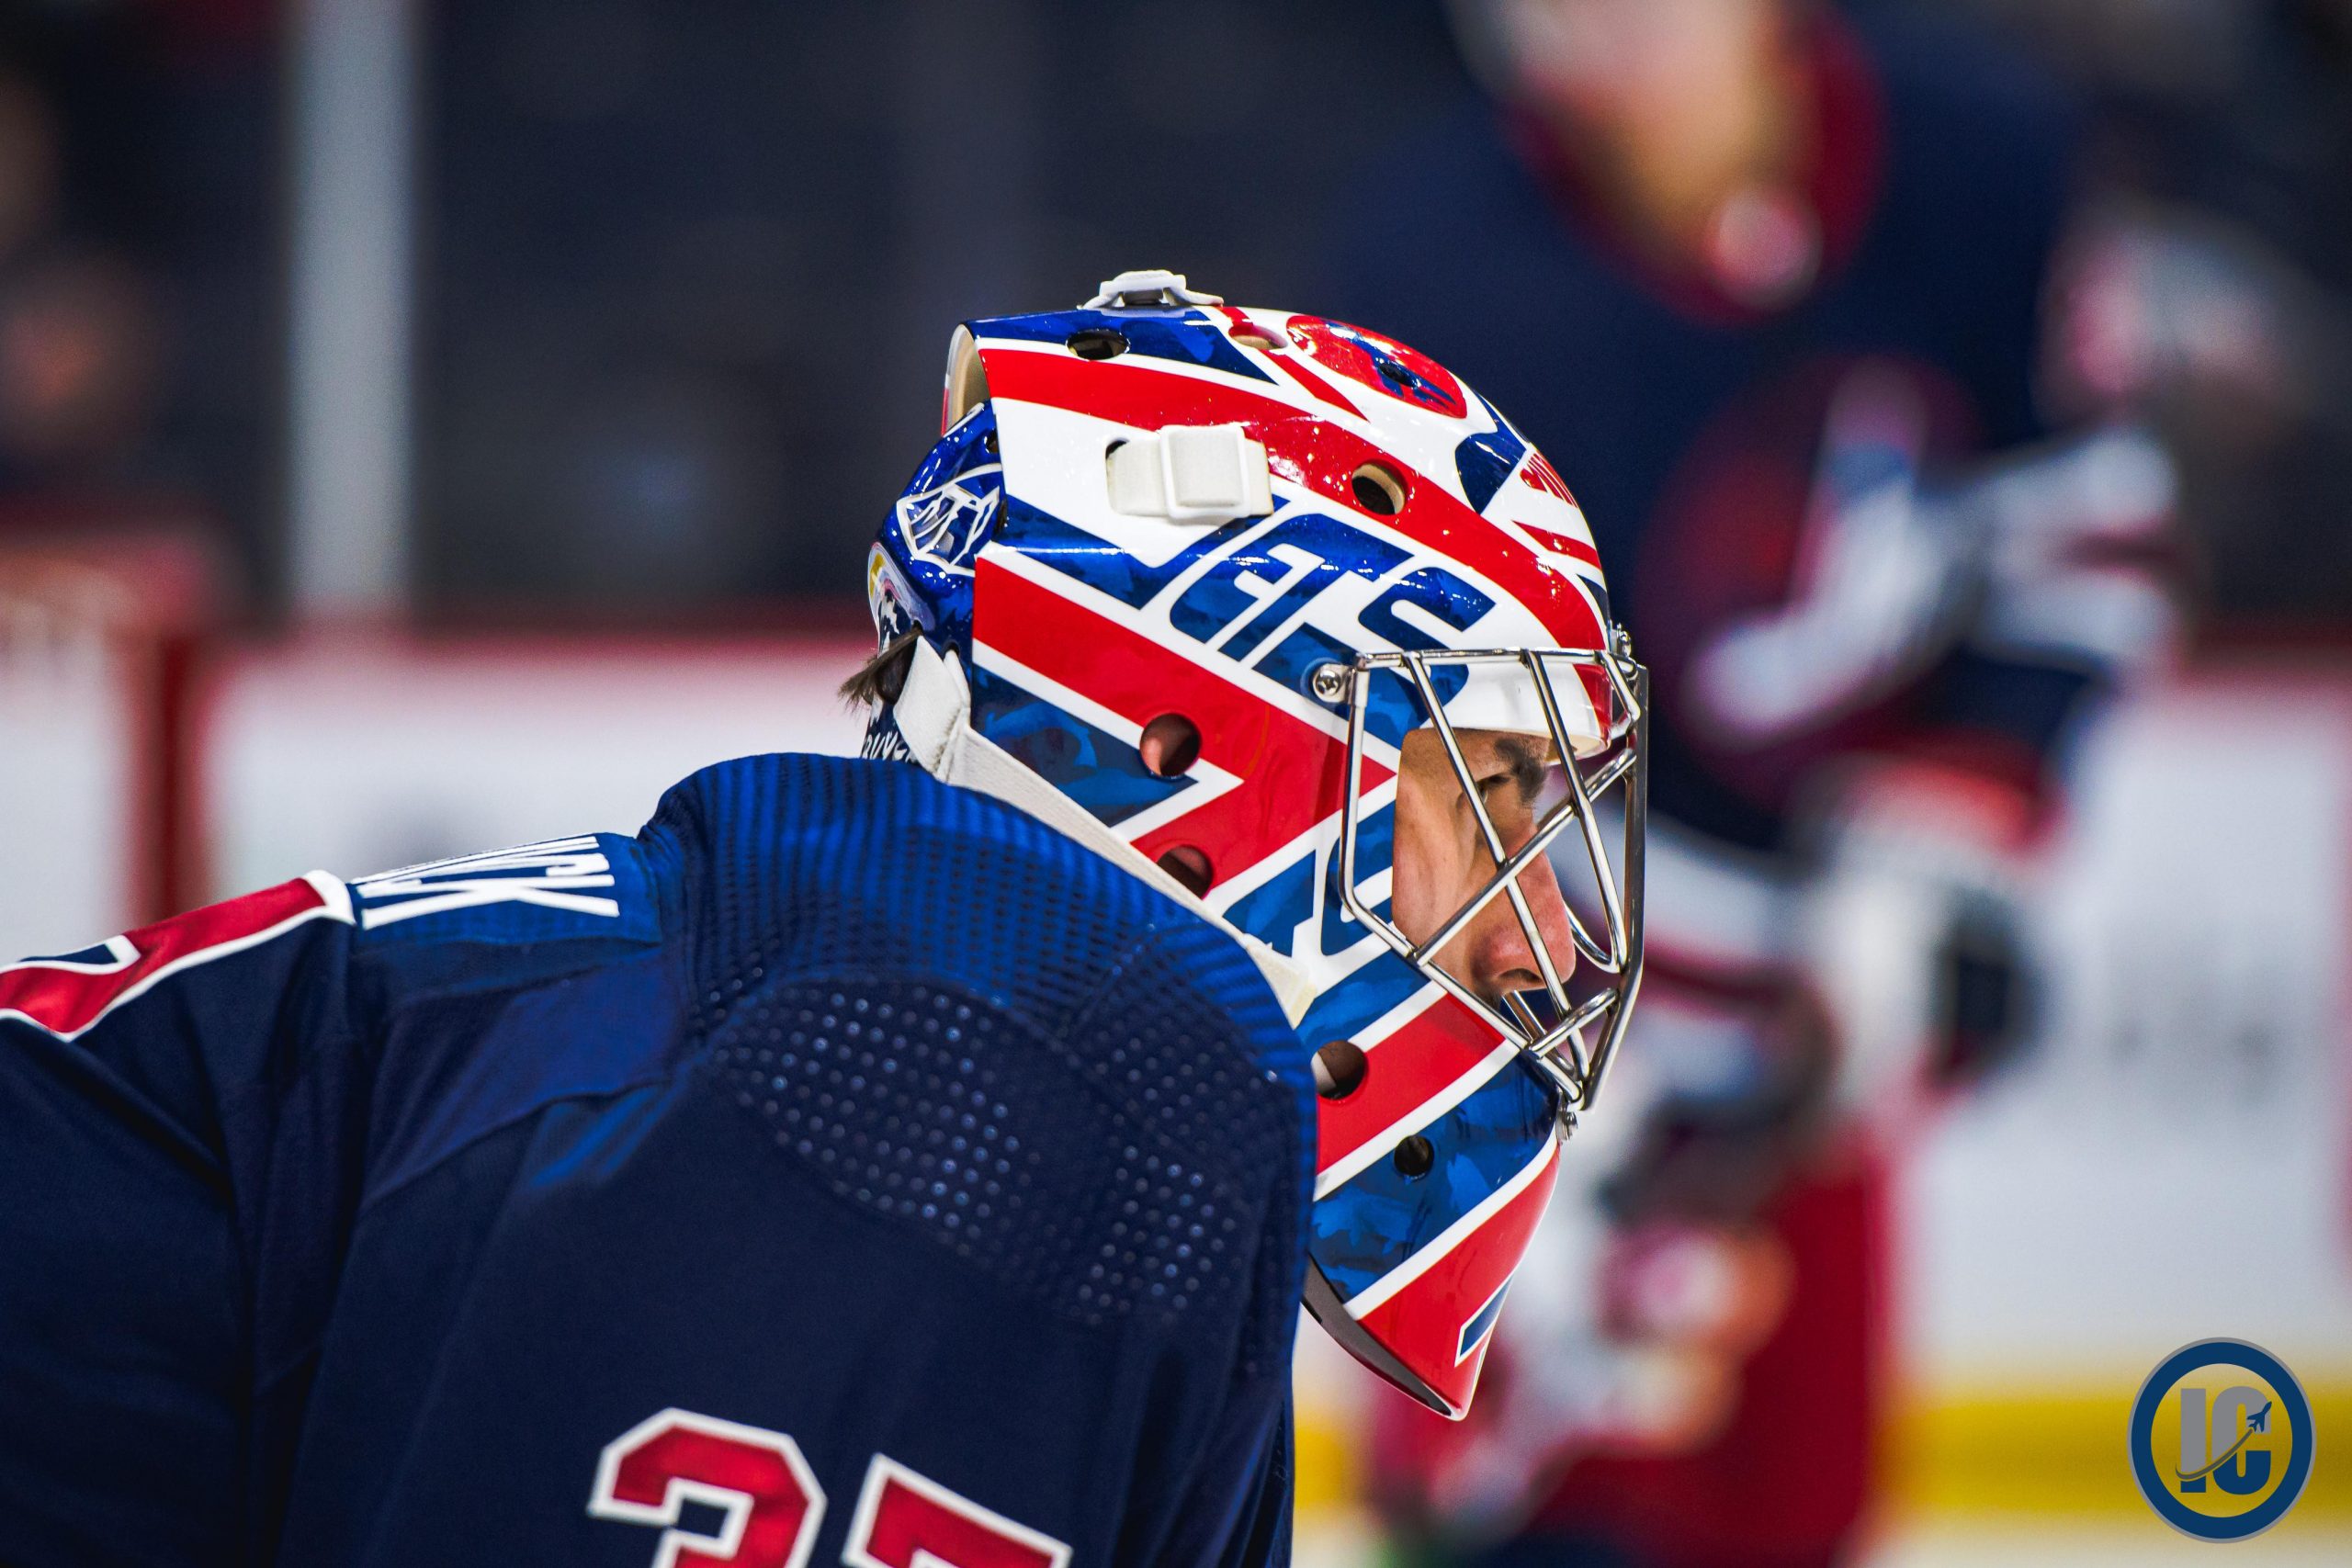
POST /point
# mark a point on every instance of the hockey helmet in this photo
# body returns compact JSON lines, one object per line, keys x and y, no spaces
{"x":1190,"y":582}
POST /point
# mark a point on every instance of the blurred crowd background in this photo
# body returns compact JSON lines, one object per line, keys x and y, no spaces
{"x":426,"y":426}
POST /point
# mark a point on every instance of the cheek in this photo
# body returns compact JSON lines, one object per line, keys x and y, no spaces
{"x":1441,"y":862}
{"x":1423,"y":850}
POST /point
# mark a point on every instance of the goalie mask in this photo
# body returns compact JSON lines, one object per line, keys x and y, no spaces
{"x":1243,"y":599}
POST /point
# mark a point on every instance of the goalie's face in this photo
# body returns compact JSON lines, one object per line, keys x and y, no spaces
{"x":1444,"y":861}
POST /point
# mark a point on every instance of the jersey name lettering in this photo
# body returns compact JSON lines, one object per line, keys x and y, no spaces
{"x":552,"y":875}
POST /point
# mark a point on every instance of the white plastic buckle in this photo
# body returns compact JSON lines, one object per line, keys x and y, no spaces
{"x":1145,"y":289}
{"x":1188,"y":473}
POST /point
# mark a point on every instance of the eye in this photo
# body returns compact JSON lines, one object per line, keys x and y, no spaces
{"x":1487,"y":787}
{"x":1498,"y":793}
{"x":1501,"y":792}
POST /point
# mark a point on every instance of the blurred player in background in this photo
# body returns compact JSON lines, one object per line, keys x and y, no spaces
{"x":1773,"y":282}
{"x":2207,"y":290}
{"x":886,"y":1163}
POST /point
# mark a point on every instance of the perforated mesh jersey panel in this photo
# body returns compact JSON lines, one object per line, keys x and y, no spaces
{"x":964,"y":1022}
{"x":937,"y":1108}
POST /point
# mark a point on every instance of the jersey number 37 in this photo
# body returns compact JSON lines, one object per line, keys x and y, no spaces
{"x":770,"y":1503}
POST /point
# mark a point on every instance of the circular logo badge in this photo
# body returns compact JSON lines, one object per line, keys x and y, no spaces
{"x":2221,"y":1439}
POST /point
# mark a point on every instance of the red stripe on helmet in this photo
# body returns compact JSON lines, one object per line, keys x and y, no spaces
{"x":1292,"y":772}
{"x":1421,"y":1324}
{"x":1563,"y":543}
{"x":1290,"y":364}
{"x":1308,"y":451}
{"x":1428,"y":1054}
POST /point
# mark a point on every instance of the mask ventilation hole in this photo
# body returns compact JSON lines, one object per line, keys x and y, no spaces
{"x":1340,"y":1070}
{"x":1171,"y":744}
{"x":1189,"y":866}
{"x":1258,"y":337}
{"x":1414,"y":1157}
{"x":1379,"y":489}
{"x":1096,"y":342}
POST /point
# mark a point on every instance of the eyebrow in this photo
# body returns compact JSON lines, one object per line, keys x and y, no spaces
{"x":1524,"y":758}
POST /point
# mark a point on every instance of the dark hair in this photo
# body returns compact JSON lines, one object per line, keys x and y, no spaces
{"x":880,"y":679}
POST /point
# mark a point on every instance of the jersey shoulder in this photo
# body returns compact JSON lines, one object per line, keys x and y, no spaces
{"x":964,"y":1022}
{"x":503,"y":918}
{"x":435,"y":1000}
{"x":825,"y":865}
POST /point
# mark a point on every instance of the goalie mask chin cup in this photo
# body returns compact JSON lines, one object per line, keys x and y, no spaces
{"x":1279,"y":545}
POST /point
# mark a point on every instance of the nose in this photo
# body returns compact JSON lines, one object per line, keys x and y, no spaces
{"x":1502,"y":958}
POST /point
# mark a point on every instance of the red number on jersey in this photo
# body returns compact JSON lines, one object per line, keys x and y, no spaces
{"x":758,"y":1479}
{"x":773,"y":1505}
{"x":905,"y":1520}
{"x":67,"y":996}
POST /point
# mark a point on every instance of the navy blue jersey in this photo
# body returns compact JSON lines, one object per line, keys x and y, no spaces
{"x":847,"y":1164}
